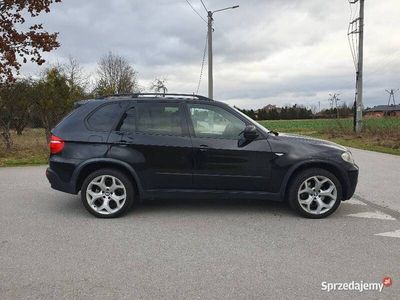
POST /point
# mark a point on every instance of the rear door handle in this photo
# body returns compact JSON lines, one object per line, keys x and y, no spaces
{"x":123,"y":143}
{"x":126,"y":140}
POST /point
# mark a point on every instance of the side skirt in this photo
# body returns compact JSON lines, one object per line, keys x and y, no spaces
{"x":213,"y":194}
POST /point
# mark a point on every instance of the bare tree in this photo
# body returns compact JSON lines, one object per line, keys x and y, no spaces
{"x":73,"y":71}
{"x":115,"y":76}
{"x":76,"y":79}
{"x":314,"y":109}
{"x":159,"y":85}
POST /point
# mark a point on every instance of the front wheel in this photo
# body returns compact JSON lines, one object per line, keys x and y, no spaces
{"x":315,"y":193}
{"x":107,"y":193}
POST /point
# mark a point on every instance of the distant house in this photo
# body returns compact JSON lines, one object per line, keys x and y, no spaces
{"x":382,"y":110}
{"x":269,"y":107}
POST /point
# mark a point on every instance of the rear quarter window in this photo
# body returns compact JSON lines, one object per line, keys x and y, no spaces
{"x":104,"y":117}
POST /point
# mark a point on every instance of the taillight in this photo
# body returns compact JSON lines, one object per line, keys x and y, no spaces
{"x":56,"y":144}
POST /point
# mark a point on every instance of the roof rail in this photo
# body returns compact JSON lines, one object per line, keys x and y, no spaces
{"x":163,"y":95}
{"x":81,"y":102}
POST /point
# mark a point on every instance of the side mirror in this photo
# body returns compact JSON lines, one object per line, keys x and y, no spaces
{"x":250,"y":133}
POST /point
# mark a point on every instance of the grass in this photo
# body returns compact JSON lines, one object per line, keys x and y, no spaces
{"x":30,"y":148}
{"x":380,"y":134}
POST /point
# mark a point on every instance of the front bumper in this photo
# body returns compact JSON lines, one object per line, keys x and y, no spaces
{"x":352,"y":179}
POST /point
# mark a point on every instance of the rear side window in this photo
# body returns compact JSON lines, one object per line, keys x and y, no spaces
{"x":104,"y":117}
{"x":129,"y":121}
{"x":159,"y":118}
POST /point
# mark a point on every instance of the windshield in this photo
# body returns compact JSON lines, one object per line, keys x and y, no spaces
{"x":259,"y":126}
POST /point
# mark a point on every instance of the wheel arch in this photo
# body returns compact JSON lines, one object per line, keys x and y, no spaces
{"x":96,"y":164}
{"x":321,"y":164}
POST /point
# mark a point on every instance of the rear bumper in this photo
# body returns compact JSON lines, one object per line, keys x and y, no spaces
{"x":58,"y":184}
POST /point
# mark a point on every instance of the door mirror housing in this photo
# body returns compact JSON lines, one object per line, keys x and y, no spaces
{"x":250,"y":132}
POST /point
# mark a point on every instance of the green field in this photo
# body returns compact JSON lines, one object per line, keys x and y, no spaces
{"x":380,"y":134}
{"x":324,"y":125}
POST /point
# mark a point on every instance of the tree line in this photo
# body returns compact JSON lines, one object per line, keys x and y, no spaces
{"x":43,"y":101}
{"x":297,"y":112}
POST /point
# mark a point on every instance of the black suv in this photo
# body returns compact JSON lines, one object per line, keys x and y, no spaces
{"x":123,"y":148}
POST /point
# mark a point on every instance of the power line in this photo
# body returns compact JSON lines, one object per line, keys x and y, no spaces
{"x":204,"y":6}
{"x":334,"y":99}
{"x":391,"y":96}
{"x":351,"y":30}
{"x":202,"y":64}
{"x":196,"y":11}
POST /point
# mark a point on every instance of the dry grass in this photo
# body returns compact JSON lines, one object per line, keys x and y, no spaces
{"x":30,"y":148}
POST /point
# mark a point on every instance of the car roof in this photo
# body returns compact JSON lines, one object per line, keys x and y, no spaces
{"x":146,"y":96}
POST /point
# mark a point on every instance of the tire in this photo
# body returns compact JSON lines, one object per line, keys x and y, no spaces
{"x":315,"y":193}
{"x":107,"y":193}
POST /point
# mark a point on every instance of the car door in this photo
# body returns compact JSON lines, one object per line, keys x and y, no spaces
{"x":222,"y":161}
{"x":153,"y":138}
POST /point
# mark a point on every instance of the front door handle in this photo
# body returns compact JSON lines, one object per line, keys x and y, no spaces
{"x":203,"y":148}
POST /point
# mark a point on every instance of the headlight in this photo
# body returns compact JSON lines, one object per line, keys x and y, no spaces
{"x":348,"y":157}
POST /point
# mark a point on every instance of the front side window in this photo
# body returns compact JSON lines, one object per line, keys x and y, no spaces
{"x":159,"y":118}
{"x":215,"y":122}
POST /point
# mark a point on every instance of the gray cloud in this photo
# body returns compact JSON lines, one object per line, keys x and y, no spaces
{"x":281,"y":52}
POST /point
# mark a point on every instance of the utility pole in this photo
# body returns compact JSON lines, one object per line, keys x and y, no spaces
{"x":359,"y":99}
{"x":356,"y":26}
{"x":210,"y":15}
{"x":391,"y":96}
{"x":210,"y":56}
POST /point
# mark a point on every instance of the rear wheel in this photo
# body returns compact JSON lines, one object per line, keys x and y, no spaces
{"x":107,"y":193}
{"x":315,"y":193}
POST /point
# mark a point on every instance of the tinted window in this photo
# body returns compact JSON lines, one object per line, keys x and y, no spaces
{"x":104,"y":117}
{"x":159,"y":118}
{"x":215,"y":122}
{"x":129,"y":121}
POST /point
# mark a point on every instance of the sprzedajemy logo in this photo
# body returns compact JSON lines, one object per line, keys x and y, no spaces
{"x":359,"y":286}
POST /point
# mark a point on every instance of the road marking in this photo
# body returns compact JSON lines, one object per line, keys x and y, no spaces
{"x":395,"y":234}
{"x":354,"y":202}
{"x":373,"y":215}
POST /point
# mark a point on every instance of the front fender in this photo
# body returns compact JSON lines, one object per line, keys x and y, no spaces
{"x":329,"y":165}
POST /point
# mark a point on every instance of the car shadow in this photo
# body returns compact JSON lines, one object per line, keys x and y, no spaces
{"x":211,"y":206}
{"x":72,"y":205}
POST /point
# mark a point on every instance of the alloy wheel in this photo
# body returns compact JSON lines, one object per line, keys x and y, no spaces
{"x":317,"y":195}
{"x":106,"y":194}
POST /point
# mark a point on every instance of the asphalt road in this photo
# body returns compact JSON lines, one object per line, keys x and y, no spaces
{"x":50,"y":247}
{"x":379,"y":180}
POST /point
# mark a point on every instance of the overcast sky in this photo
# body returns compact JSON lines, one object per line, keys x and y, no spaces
{"x":265,"y":52}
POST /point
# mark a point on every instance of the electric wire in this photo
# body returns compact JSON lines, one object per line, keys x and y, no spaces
{"x":204,"y":6}
{"x":202,"y":64}
{"x":352,"y":37}
{"x":187,"y":1}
